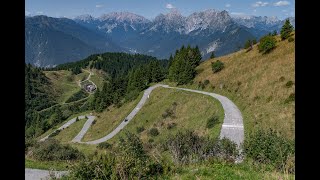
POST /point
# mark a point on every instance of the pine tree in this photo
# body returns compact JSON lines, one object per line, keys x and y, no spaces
{"x":212,"y":55}
{"x":286,"y":30}
{"x":274,"y":33}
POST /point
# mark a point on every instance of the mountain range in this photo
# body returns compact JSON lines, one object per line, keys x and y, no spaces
{"x":51,"y":41}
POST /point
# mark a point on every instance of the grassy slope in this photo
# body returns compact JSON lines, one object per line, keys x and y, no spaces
{"x":64,"y":84}
{"x":62,"y":123}
{"x":98,"y":77}
{"x":192,"y":112}
{"x":252,"y":81}
{"x":108,"y":120}
{"x":46,"y":165}
{"x":70,"y":132}
{"x":220,"y":170}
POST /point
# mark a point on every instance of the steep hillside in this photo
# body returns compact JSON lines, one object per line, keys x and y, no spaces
{"x":260,"y":85}
{"x":171,"y":110}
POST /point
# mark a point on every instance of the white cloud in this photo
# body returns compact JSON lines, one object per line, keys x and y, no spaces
{"x":238,"y":13}
{"x":27,"y":13}
{"x":254,"y":10}
{"x":259,"y":4}
{"x":99,"y":6}
{"x":39,"y":12}
{"x":228,"y":5}
{"x":284,"y":10}
{"x":169,"y":6}
{"x":281,"y":3}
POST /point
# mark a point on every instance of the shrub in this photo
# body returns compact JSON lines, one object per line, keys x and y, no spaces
{"x":290,"y":39}
{"x":281,"y":79}
{"x":100,"y":168}
{"x":174,"y":104}
{"x":206,"y":82}
{"x":104,"y":145}
{"x":140,"y":129}
{"x":169,"y":112}
{"x":171,"y":125}
{"x":291,"y":98}
{"x":66,"y":113}
{"x":201,"y":85}
{"x":128,"y":161}
{"x":155,"y":169}
{"x":268,"y":147}
{"x":289,"y":84}
{"x":217,"y":66}
{"x":226,"y":149}
{"x":267,"y":43}
{"x":151,"y":140}
{"x":187,"y":147}
{"x":94,"y":122}
{"x":29,"y":142}
{"x":212,"y":121}
{"x":56,"y":132}
{"x":154,"y":132}
{"x":132,"y":160}
{"x":269,"y":98}
{"x":51,"y":150}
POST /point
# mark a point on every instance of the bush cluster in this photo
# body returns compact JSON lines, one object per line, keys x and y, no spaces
{"x":187,"y":147}
{"x":140,"y":129}
{"x":217,"y":66}
{"x":211,"y":122}
{"x":128,"y":161}
{"x":267,"y":44}
{"x":154,"y":132}
{"x":104,"y":145}
{"x":52,"y":150}
{"x":270,"y":148}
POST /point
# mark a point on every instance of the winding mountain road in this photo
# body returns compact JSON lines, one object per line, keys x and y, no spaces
{"x":71,"y":121}
{"x":232,"y":127}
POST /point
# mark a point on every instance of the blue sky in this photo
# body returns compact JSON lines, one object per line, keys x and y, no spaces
{"x":151,"y":8}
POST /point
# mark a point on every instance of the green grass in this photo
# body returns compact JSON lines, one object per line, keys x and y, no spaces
{"x":47,"y":165}
{"x":98,"y":78}
{"x":62,"y":123}
{"x":67,"y":134}
{"x":221,"y":170}
{"x":192,"y":112}
{"x":86,"y":149}
{"x":64,"y":84}
{"x":108,"y":120}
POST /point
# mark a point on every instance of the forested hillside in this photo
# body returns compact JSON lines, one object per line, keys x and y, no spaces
{"x":37,"y":97}
{"x":127,"y":75}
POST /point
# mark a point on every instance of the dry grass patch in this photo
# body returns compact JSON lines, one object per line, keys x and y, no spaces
{"x":257,"y":85}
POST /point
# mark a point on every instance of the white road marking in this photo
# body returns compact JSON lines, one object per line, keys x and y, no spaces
{"x":232,"y":126}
